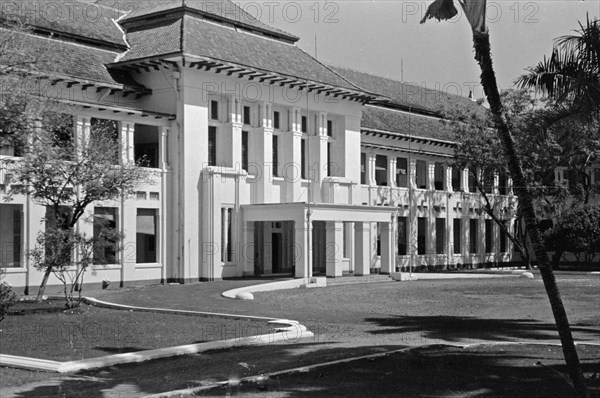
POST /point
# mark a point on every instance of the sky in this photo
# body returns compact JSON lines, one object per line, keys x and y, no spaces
{"x":385,"y":37}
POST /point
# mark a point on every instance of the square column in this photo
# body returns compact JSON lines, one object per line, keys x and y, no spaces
{"x":229,"y":146}
{"x":388,"y":250}
{"x":392,"y":171}
{"x":302,"y":249}
{"x":261,"y":165}
{"x":248,"y":249}
{"x":349,"y":236}
{"x":317,"y":164}
{"x":362,"y":250}
{"x":370,"y":168}
{"x":291,"y":169}
{"x":126,"y":140}
{"x":334,"y":248}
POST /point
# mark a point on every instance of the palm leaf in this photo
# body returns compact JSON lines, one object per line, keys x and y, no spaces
{"x":440,"y":10}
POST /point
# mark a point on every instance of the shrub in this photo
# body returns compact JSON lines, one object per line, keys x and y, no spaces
{"x":8,"y":298}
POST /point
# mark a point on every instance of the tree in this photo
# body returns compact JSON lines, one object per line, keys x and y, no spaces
{"x":66,"y":174}
{"x":571,"y":75}
{"x":8,"y":297}
{"x":475,"y":13}
{"x":577,"y":231}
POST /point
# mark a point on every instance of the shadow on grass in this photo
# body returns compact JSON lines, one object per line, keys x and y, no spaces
{"x":431,"y":372}
{"x":461,"y":329}
{"x":182,"y":372}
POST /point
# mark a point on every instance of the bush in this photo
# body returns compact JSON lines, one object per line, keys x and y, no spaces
{"x":8,"y":298}
{"x":577,"y":231}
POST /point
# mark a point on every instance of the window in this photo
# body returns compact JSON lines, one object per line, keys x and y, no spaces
{"x":145,"y":145}
{"x":226,"y":246}
{"x":214,"y":110}
{"x":457,"y":230}
{"x":330,"y":164}
{"x":304,"y":125}
{"x":489,"y":236}
{"x":473,"y":235}
{"x":503,"y":237}
{"x":503,"y":184}
{"x":421,"y":174}
{"x":440,"y":235}
{"x":61,"y":127}
{"x":10,"y":235}
{"x":472,"y":180}
{"x":363,"y":168}
{"x":402,"y":172}
{"x":275,"y":156}
{"x":488,"y":181}
{"x":146,"y":236}
{"x":303,"y":161}
{"x":103,"y":129}
{"x":597,"y":177}
{"x":245,"y":149}
{"x":402,"y":236}
{"x":212,"y":146}
{"x":378,"y":239}
{"x":456,"y":179}
{"x":330,"y":128}
{"x":276,"y":120}
{"x":55,"y":222}
{"x":439,"y":177}
{"x":421,"y":235}
{"x":381,"y":170}
{"x":247,"y":116}
{"x":105,"y":235}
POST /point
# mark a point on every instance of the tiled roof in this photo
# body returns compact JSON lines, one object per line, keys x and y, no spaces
{"x":221,"y":43}
{"x":406,"y":95}
{"x":377,"y":118}
{"x":220,"y":9}
{"x":80,"y":19}
{"x":52,"y":57}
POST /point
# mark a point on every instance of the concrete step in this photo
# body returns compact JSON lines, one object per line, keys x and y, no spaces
{"x":351,"y":279}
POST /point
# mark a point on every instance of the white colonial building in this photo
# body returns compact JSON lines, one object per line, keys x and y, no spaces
{"x":264,"y":160}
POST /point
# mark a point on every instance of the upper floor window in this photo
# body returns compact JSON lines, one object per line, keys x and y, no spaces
{"x":330,"y":128}
{"x":145,"y":145}
{"x":421,"y":178}
{"x":456,"y":179}
{"x":104,"y":129}
{"x":488,"y":181}
{"x":503,"y":184}
{"x":363,"y":168}
{"x":381,"y":170}
{"x":212,"y":146}
{"x":214,"y":110}
{"x":439,"y":177}
{"x":247,"y":116}
{"x":402,"y":172}
{"x":276,"y":120}
{"x":275,"y":156}
{"x":245,"y":149}
{"x":304,"y":124}
{"x":473,"y":175}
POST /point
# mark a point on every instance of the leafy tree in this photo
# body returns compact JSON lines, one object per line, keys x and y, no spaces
{"x":475,"y":13}
{"x":577,"y":231}
{"x":66,"y":174}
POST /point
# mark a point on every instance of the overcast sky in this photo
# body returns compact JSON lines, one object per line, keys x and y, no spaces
{"x":374,"y":36}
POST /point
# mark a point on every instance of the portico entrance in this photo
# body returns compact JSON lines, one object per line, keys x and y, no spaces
{"x":305,"y":240}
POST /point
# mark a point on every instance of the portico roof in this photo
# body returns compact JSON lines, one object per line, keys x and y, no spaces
{"x":316,"y":212}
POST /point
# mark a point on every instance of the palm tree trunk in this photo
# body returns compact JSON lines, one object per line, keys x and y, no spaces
{"x":488,"y":80}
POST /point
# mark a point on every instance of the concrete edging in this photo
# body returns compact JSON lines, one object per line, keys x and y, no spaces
{"x":280,"y":285}
{"x":283,"y":330}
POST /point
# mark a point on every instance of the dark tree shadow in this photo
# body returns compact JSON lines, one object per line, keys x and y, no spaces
{"x":461,"y":329}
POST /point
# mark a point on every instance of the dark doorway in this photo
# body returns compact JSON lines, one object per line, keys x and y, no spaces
{"x":319,"y":243}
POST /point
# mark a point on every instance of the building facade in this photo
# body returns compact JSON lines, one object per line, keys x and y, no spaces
{"x":263,"y":160}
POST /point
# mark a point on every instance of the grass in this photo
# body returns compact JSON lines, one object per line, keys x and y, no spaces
{"x":46,"y":331}
{"x":354,"y":320}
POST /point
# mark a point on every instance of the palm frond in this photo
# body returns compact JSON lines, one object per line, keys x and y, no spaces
{"x":440,"y":10}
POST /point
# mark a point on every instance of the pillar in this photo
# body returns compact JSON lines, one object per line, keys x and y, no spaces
{"x":362,"y":250}
{"x":334,"y":248}
{"x":291,"y":167}
{"x":388,"y":252}
{"x":261,"y":164}
{"x":303,"y":249}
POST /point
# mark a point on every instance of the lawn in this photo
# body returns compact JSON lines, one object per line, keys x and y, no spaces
{"x":355,"y":320}
{"x":46,"y":331}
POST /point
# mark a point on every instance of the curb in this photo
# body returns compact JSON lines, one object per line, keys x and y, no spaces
{"x":282,"y":330}
{"x":280,"y":285}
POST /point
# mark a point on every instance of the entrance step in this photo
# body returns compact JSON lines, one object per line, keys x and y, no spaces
{"x":351,"y":279}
